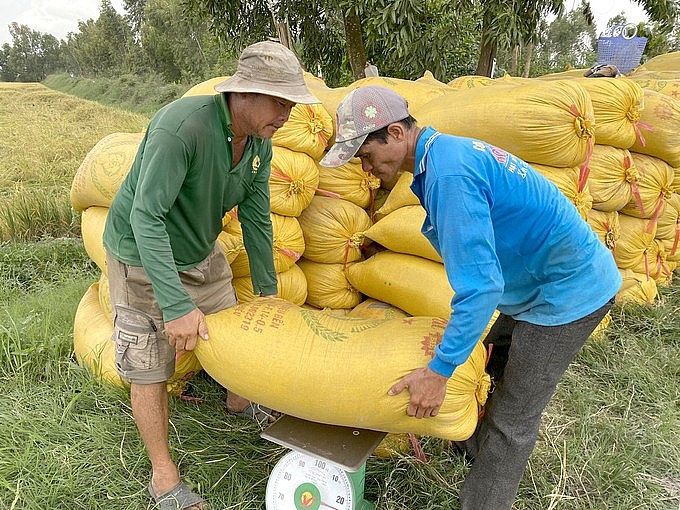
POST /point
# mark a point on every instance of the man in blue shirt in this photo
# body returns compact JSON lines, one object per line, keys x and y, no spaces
{"x":510,"y":241}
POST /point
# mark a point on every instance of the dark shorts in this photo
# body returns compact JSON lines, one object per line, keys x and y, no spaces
{"x":143,"y":353}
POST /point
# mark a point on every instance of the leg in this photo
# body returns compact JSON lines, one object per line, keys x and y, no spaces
{"x":150,"y":410}
{"x":145,"y":358}
{"x":505,"y":438}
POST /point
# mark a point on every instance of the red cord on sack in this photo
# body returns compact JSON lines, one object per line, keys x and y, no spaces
{"x":674,"y":250}
{"x":655,"y":217}
{"x":417,"y":448}
{"x":636,"y":126}
{"x":638,"y":198}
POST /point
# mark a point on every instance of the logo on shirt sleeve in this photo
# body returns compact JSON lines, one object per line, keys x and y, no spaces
{"x":256,"y":164}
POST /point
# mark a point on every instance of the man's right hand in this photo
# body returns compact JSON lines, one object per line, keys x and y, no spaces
{"x":184,"y":331}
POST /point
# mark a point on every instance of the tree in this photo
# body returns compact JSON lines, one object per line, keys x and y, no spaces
{"x":569,"y":41}
{"x":102,"y":46}
{"x":31,"y":56}
{"x":403,"y":38}
{"x":177,"y":47}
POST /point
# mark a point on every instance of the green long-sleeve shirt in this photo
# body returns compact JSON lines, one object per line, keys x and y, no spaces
{"x":168,"y":211}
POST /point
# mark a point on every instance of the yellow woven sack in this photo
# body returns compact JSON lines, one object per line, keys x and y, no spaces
{"x":373,"y":309}
{"x":470,"y":82}
{"x":292,"y":286}
{"x":636,"y":238}
{"x":205,"y":88}
{"x":551,"y":123}
{"x":289,"y":244}
{"x":571,"y":73}
{"x":617,"y":106}
{"x":663,"y":83}
{"x":662,"y":113}
{"x":102,"y":171}
{"x":665,"y":62}
{"x":349,"y":182}
{"x":333,"y":230}
{"x":636,"y":288}
{"x":327,"y":285}
{"x":231,"y":244}
{"x":668,"y":228}
{"x":428,"y":79}
{"x":105,"y":297}
{"x":94,"y":349}
{"x":654,"y":187}
{"x":416,"y":93}
{"x":675,"y":185}
{"x":337,"y":370}
{"x":400,"y":232}
{"x":400,"y":195}
{"x":307,"y":130}
{"x":293,"y":181}
{"x":607,"y":227}
{"x":569,"y":182}
{"x":416,"y":285}
{"x":613,"y":178}
{"x":92,"y":223}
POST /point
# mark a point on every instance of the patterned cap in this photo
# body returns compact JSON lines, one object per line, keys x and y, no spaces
{"x":364,"y":110}
{"x":269,"y":68}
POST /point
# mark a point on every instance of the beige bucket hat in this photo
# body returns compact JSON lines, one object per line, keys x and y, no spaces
{"x":269,"y":68}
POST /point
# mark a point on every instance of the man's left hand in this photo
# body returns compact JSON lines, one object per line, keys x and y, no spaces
{"x":427,"y":390}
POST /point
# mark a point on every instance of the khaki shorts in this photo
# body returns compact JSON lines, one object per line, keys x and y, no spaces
{"x":143,"y":354}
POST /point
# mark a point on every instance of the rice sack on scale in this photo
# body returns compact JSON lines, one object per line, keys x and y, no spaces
{"x":338,"y":369}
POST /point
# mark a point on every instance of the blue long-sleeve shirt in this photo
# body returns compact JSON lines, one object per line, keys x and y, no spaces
{"x":509,"y":239}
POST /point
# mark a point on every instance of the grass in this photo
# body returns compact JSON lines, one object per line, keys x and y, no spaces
{"x":609,"y":438}
{"x":134,"y":93}
{"x":45,"y":136}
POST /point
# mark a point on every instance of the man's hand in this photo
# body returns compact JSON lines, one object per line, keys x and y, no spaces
{"x":427,"y":390}
{"x":183,"y":332}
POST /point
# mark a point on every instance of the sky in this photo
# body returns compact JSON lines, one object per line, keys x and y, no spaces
{"x":59,"y":17}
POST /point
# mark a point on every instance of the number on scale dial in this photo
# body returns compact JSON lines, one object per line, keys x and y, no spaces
{"x":302,"y":482}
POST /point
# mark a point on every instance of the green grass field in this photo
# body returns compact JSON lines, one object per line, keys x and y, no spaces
{"x":610,"y":438}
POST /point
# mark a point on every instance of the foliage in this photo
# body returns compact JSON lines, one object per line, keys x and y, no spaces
{"x":31,"y":57}
{"x":39,"y":265}
{"x":140,"y":94}
{"x":568,"y":42}
{"x":104,"y":46}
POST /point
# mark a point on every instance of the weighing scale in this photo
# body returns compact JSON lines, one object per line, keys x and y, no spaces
{"x":326,"y":469}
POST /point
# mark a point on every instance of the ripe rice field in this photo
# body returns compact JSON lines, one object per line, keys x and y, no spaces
{"x":610,"y":438}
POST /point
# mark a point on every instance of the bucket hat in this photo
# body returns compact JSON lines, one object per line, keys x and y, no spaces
{"x":269,"y":68}
{"x":363,"y":111}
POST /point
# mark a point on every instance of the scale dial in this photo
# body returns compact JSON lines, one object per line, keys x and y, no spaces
{"x":302,"y":482}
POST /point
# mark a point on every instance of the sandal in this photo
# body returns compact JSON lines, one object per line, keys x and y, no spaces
{"x":180,"y":497}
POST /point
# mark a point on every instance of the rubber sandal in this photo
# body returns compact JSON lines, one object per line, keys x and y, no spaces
{"x":179,"y":497}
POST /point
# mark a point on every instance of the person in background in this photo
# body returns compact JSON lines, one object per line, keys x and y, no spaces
{"x":200,"y":157}
{"x":510,"y":241}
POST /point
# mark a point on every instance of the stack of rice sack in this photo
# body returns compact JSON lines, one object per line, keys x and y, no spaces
{"x":625,"y":185}
{"x":635,"y":187}
{"x":320,"y":220}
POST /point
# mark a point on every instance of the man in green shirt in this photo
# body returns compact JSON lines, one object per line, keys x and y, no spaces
{"x":201,"y":156}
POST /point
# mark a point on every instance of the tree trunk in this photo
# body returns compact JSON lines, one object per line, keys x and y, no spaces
{"x":527,"y":60}
{"x":487,"y":54}
{"x":283,"y":32}
{"x":355,"y":45}
{"x":515,"y":58}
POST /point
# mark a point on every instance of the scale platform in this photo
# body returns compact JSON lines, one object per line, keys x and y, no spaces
{"x":348,"y":447}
